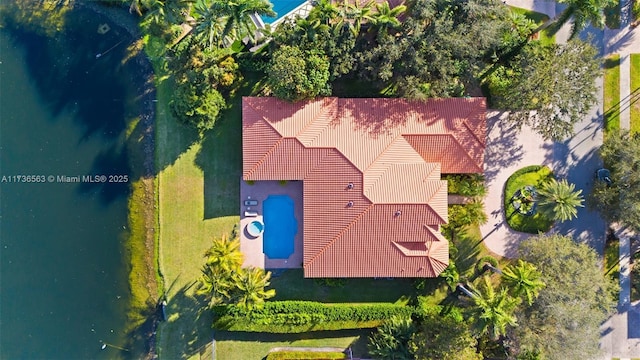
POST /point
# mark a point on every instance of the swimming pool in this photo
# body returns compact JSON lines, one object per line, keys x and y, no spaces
{"x":282,"y":8}
{"x":280,"y":227}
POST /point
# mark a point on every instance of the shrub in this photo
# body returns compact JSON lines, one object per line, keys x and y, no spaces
{"x":465,"y":184}
{"x":534,"y":175}
{"x":305,"y":355}
{"x":302,"y":316}
{"x":635,"y":277}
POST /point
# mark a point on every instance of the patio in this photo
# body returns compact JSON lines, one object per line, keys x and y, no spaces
{"x":252,"y":247}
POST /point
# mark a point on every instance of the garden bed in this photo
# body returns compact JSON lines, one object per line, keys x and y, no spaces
{"x":530,"y":176}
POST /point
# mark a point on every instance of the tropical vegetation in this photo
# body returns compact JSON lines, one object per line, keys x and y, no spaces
{"x":225,"y":281}
{"x":563,"y":322}
{"x":440,"y":48}
{"x":619,"y":201}
{"x":559,"y":200}
{"x":533,"y":221}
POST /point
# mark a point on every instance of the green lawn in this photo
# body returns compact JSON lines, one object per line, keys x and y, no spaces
{"x":539,"y":18}
{"x":290,"y":285}
{"x":635,"y":93}
{"x":192,"y":210}
{"x":255,"y":346}
{"x":529,"y":224}
{"x":611,"y":93}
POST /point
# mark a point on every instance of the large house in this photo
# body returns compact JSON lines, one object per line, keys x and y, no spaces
{"x":372,"y":194}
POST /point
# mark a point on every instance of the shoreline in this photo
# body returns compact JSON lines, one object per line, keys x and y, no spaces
{"x":142,"y":259}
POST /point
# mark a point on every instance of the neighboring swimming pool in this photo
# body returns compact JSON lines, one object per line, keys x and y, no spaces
{"x":280,"y":227}
{"x":282,"y":8}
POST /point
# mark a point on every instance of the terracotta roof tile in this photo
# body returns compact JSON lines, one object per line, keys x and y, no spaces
{"x":392,"y":151}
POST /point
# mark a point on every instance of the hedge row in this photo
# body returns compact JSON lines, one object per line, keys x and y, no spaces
{"x":524,"y":170}
{"x":302,"y":316}
{"x":321,"y":311}
{"x":305,"y":355}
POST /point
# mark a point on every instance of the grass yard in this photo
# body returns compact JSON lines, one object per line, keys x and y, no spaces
{"x":255,"y":346}
{"x":535,"y":176}
{"x":539,"y":18}
{"x":611,"y":93}
{"x":290,"y":285}
{"x":635,"y":93}
{"x":191,"y":212}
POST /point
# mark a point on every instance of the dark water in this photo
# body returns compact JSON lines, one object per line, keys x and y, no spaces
{"x":63,"y":112}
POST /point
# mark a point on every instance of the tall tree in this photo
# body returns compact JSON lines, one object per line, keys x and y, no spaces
{"x":564,"y":321}
{"x":583,"y":13}
{"x":250,"y":284}
{"x":237,"y":16}
{"x":443,"y":338}
{"x":296,"y":75}
{"x":442,"y":45}
{"x":223,"y":261}
{"x":559,"y":200}
{"x":523,"y":280}
{"x":620,"y":200}
{"x":208,"y":27}
{"x":553,"y":88}
{"x":493,"y":311}
{"x":385,"y":18}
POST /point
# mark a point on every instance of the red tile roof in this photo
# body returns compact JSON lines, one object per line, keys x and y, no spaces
{"x":392,"y":151}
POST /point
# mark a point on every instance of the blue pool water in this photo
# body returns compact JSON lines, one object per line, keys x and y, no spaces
{"x":280,"y":226}
{"x":282,"y":8}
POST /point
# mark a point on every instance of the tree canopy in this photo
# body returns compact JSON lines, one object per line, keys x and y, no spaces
{"x":444,"y":338}
{"x":296,"y":74}
{"x":563,"y":322}
{"x":619,"y":201}
{"x":551,"y":87}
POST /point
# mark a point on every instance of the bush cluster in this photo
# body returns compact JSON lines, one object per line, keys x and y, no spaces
{"x":301,"y":316}
{"x":465,"y":184}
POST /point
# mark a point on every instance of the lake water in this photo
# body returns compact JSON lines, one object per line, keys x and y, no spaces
{"x":63,"y":278}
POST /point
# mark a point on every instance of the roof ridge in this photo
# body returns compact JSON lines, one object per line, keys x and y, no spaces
{"x":473,"y":133}
{"x":266,"y":155}
{"x":466,"y":153}
{"x":434,"y":194}
{"x":322,"y":111}
{"x":335,"y":238}
{"x":384,"y":151}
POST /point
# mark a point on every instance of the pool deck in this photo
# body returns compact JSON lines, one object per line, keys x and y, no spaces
{"x":252,"y":247}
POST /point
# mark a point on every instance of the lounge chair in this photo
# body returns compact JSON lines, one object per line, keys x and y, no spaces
{"x":250,"y":214}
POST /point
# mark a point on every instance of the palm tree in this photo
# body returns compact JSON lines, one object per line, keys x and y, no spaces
{"x":493,"y":310}
{"x":207,"y":28}
{"x":350,"y":16}
{"x":225,"y":254}
{"x":325,"y":11}
{"x":559,"y":200}
{"x":523,"y":279}
{"x":386,"y":18}
{"x":250,"y":286}
{"x":310,"y":28}
{"x":216,"y":282}
{"x":584,"y":12}
{"x":237,"y":16}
